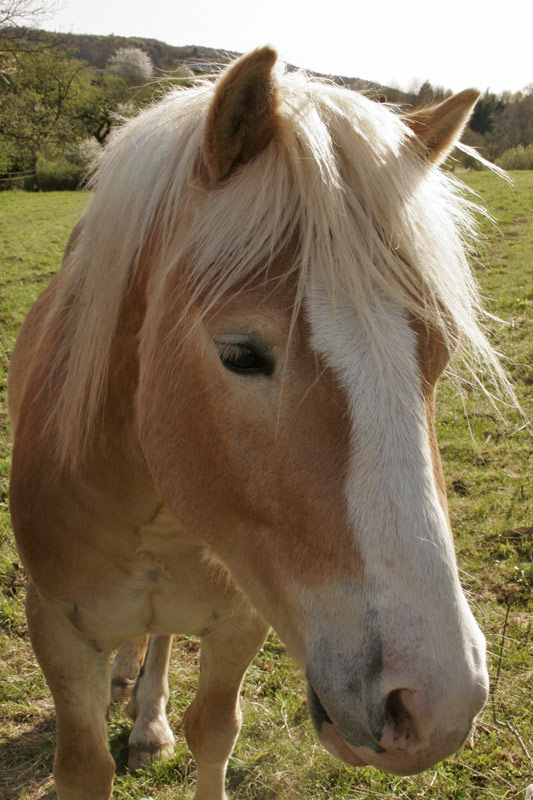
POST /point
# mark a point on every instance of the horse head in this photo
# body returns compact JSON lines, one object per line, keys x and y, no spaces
{"x":310,"y":295}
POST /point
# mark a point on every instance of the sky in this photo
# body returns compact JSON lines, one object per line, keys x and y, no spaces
{"x":457,"y":44}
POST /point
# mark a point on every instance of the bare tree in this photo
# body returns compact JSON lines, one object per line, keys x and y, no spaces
{"x":19,"y":29}
{"x":25,"y":13}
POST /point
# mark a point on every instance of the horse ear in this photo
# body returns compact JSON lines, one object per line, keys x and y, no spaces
{"x":440,"y":127}
{"x":242,"y":117}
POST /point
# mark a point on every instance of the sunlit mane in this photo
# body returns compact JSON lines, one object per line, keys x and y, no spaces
{"x":342,"y":179}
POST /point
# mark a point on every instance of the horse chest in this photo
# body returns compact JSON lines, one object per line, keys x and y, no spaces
{"x":168,"y":587}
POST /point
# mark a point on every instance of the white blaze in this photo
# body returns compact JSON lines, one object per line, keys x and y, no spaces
{"x":410,"y":583}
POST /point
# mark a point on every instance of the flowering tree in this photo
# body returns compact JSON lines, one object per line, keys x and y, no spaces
{"x":132,"y":64}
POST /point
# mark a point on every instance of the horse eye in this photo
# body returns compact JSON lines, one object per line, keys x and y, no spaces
{"x":239,"y":357}
{"x":244,"y":357}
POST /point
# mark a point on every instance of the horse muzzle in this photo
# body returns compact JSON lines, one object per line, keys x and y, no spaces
{"x":398,"y":735}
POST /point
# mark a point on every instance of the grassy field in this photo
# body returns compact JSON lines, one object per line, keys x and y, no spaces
{"x":488,"y":466}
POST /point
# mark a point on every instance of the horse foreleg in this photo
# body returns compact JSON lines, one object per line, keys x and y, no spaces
{"x":213,"y":720}
{"x":126,"y":667}
{"x":77,"y":672}
{"x":151,"y":736}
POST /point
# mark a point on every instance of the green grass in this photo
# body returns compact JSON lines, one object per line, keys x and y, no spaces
{"x":487,"y":462}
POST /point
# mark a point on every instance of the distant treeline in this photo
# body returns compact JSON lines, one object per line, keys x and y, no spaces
{"x":61,"y":95}
{"x":501,"y":127}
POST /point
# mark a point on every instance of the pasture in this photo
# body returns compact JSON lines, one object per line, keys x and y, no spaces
{"x":487,"y":462}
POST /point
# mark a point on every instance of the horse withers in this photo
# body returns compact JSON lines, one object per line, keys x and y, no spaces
{"x":223,"y":414}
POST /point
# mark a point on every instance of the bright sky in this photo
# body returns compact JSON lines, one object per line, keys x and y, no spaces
{"x":455,"y":44}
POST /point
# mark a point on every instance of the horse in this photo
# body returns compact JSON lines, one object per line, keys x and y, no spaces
{"x":223,"y":409}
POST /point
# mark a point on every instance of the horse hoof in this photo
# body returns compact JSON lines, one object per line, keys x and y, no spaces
{"x":140,"y":756}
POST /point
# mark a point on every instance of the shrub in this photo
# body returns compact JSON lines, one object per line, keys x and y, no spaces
{"x":56,"y":175}
{"x":517,"y":158}
{"x":84,"y":154}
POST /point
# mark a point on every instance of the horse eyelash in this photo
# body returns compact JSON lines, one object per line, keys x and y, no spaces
{"x":231,"y":351}
{"x":229,"y":355}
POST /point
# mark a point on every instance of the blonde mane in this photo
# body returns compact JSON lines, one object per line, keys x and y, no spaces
{"x":343,"y":178}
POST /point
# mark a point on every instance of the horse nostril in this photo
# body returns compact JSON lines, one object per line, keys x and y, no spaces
{"x":400,"y":730}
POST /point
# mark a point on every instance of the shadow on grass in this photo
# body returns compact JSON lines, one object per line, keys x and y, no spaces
{"x":250,"y":781}
{"x":118,"y":735}
{"x":26,"y":764}
{"x":27,"y":761}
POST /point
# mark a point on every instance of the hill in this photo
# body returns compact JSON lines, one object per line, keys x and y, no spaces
{"x":96,"y":50}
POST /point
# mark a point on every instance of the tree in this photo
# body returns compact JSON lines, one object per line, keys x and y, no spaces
{"x":19,"y":20}
{"x":24,"y":13}
{"x":487,"y":108}
{"x":49,"y":102}
{"x":512,"y":124}
{"x":132,"y":64}
{"x":425,"y":95}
